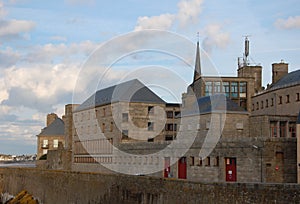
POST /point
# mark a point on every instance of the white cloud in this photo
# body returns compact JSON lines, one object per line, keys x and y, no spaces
{"x":14,"y":27}
{"x":162,"y":22}
{"x":188,"y":12}
{"x":215,"y":37}
{"x":293,"y":22}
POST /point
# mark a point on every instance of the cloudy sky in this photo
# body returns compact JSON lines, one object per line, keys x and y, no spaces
{"x":45,"y":43}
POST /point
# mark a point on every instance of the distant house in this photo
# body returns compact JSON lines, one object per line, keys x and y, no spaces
{"x":51,"y":135}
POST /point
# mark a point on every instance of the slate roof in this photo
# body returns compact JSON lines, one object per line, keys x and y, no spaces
{"x":289,"y":79}
{"x":211,"y":104}
{"x":57,"y":127}
{"x":130,"y":91}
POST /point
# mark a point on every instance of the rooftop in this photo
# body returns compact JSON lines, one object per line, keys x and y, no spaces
{"x":288,"y":80}
{"x":130,"y":91}
{"x":57,"y":127}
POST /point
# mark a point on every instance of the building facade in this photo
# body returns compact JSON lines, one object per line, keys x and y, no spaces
{"x":51,"y":135}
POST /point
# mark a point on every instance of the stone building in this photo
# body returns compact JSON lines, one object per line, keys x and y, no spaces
{"x":125,"y":113}
{"x":51,"y":135}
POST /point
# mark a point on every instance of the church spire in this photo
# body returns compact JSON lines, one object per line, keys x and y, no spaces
{"x":197,"y":73}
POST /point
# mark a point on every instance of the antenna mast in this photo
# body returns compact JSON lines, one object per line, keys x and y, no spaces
{"x":246,"y":54}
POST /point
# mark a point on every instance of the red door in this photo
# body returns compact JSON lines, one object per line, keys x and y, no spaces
{"x":182,"y":168}
{"x":167,"y":169}
{"x":230,"y":164}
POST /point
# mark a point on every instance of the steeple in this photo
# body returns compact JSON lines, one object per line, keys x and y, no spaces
{"x":197,"y":72}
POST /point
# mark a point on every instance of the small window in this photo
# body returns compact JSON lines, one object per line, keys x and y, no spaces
{"x":55,"y":143}
{"x":169,"y":127}
{"x":200,"y":161}
{"x":125,"y":134}
{"x":252,"y":106}
{"x":192,"y":161}
{"x":280,"y":100}
{"x":45,"y":143}
{"x":297,"y":96}
{"x":216,"y":161}
{"x":103,"y":127}
{"x":267,"y":103}
{"x":257,"y":106}
{"x":104,"y":112}
{"x":124,"y":117}
{"x":262,"y":105}
{"x":272,"y":101}
{"x":150,"y":126}
{"x":150,"y":139}
{"x":207,"y":161}
{"x":287,"y":98}
{"x":168,"y":137}
{"x":150,"y":110}
{"x":169,"y":114}
{"x":111,"y":126}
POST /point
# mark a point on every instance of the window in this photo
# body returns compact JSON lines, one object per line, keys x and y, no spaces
{"x":287,"y":98}
{"x":111,"y":126}
{"x":150,"y":126}
{"x":104,"y":112}
{"x":217,"y":87}
{"x":208,"y":88}
{"x":216,"y":161}
{"x":55,"y":143}
{"x":297,"y":97}
{"x":257,"y":106}
{"x":234,"y":89}
{"x":272,"y":101}
{"x":150,"y":110}
{"x":207,"y":161}
{"x":177,"y":113}
{"x":282,"y":129}
{"x":200,"y":161}
{"x":243,"y":89}
{"x":124,"y":117}
{"x":273,"y":129}
{"x":168,"y":138}
{"x":292,"y":129}
{"x":125,"y":134}
{"x":192,"y":160}
{"x":150,"y":139}
{"x":267,"y":103}
{"x":262,"y":105}
{"x":45,"y":144}
{"x":226,"y":88}
{"x":252,"y":106}
{"x":280,"y":99}
{"x":103,"y":127}
{"x":169,"y":114}
{"x":169,"y":127}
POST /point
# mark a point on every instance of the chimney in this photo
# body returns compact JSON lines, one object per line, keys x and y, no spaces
{"x":279,"y":70}
{"x":50,"y":118}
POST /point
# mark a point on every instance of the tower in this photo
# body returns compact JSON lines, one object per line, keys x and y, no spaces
{"x":197,"y":72}
{"x":279,"y":70}
{"x":245,"y":69}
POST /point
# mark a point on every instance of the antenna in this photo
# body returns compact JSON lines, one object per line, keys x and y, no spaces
{"x":247,"y":48}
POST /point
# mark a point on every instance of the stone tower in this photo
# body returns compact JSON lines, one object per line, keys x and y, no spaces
{"x":279,"y":70}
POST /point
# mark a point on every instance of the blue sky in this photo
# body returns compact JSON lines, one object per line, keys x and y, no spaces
{"x":45,"y":43}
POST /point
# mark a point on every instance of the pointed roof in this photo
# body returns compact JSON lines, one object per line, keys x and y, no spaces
{"x":57,"y":127}
{"x":197,"y":72}
{"x":130,"y":91}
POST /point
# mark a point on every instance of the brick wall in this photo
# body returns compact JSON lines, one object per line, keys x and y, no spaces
{"x":73,"y":187}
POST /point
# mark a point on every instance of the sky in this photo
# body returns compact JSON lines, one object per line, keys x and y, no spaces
{"x":46,"y":46}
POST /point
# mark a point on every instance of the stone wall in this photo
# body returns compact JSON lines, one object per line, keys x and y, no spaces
{"x":67,"y":187}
